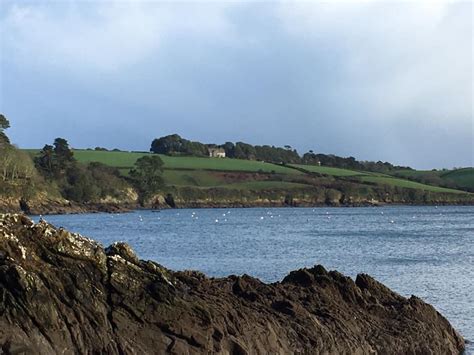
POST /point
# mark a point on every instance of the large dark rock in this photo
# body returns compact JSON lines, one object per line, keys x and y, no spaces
{"x":61,"y":293}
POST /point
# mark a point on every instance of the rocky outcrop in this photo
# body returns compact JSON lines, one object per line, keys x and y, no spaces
{"x":44,"y":206}
{"x":61,"y":293}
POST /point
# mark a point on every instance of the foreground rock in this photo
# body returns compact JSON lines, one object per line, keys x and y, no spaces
{"x":61,"y":293}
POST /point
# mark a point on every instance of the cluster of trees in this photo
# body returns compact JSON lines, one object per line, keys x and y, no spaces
{"x":331,"y":160}
{"x":94,"y":181}
{"x":147,"y":176}
{"x":241,"y":150}
{"x":16,"y":166}
{"x":17,"y":171}
{"x":54,"y":168}
{"x":176,"y":145}
{"x":77,"y":182}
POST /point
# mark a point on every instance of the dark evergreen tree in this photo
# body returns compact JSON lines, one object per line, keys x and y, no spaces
{"x":147,"y":176}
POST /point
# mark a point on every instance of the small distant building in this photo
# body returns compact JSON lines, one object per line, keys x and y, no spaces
{"x":216,"y":152}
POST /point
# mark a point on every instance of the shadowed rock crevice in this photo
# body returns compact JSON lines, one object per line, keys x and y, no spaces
{"x":63,"y":293}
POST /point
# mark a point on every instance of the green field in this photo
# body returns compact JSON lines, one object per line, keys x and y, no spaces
{"x":406,"y":183}
{"x":211,"y":172}
{"x":192,"y":178}
{"x":462,"y":177}
{"x":416,"y":173}
{"x":193,"y":171}
{"x":127,"y":159}
{"x":327,"y":170}
{"x":261,"y":185}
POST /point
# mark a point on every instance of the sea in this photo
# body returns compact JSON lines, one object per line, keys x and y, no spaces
{"x":427,"y":251}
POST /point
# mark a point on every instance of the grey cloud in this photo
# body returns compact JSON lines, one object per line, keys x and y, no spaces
{"x":389,"y":81}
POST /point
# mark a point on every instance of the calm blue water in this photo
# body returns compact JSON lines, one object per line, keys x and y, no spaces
{"x":426,"y":251}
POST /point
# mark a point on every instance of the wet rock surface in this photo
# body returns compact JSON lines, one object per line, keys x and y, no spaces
{"x":61,"y":293}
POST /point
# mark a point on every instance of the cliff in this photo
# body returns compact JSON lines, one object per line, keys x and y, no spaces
{"x":61,"y":293}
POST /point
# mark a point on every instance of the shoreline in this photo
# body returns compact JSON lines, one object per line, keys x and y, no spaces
{"x":117,"y":208}
{"x":48,"y":206}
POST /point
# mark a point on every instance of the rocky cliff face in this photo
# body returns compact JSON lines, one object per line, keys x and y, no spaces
{"x":61,"y":293}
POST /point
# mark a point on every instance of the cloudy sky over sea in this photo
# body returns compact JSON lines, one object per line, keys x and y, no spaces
{"x":378,"y":80}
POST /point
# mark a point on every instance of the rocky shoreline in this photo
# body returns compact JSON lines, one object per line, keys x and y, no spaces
{"x":49,"y":206}
{"x":60,"y":206}
{"x":63,"y":293}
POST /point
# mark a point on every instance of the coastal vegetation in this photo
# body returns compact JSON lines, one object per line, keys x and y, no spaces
{"x":181,"y":173}
{"x":146,"y":176}
{"x":462,"y":178}
{"x":18,"y":175}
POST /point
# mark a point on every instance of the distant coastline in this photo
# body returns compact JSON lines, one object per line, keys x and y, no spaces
{"x":179,"y":173}
{"x":55,"y":207}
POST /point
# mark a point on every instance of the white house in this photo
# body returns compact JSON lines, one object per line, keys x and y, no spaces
{"x":216,"y":152}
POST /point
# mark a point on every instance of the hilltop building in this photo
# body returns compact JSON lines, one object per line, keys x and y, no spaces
{"x":216,"y":152}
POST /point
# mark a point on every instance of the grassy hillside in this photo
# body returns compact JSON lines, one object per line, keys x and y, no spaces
{"x":383,"y":179}
{"x":127,"y":159}
{"x":201,"y":173}
{"x":462,"y":178}
{"x":328,"y":170}
{"x":197,"y":171}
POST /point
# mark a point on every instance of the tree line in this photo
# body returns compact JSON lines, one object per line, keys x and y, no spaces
{"x":55,"y":169}
{"x":15,"y":165}
{"x":94,"y":181}
{"x":176,"y":145}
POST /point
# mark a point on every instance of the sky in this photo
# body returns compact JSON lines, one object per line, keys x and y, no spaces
{"x":377,"y":80}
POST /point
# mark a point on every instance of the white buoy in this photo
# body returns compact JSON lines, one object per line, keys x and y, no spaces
{"x":217,"y":221}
